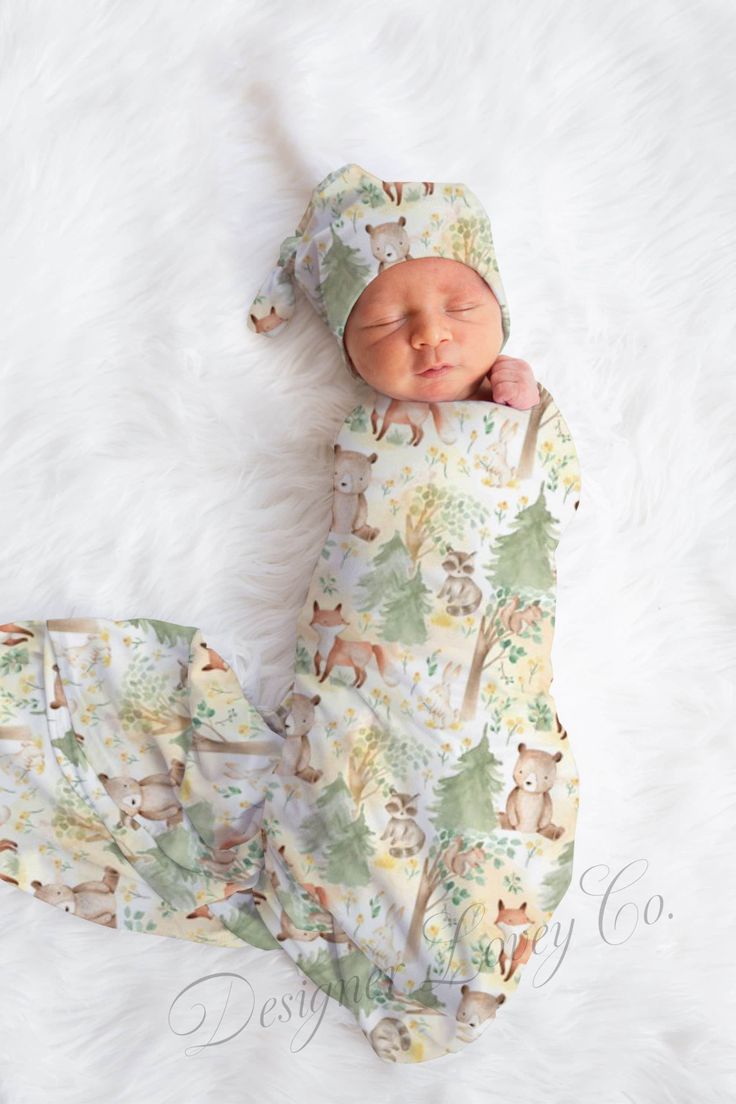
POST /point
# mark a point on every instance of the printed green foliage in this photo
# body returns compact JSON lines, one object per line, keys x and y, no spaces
{"x":370,"y":194}
{"x":347,"y":855}
{"x":556,"y":882}
{"x":13,"y":661}
{"x":346,"y":277}
{"x":437,"y":516}
{"x":170,"y":881}
{"x":133,"y":921}
{"x":337,"y":836}
{"x":333,"y":811}
{"x":465,"y":798}
{"x":248,"y":926}
{"x":167,"y":632}
{"x":472,"y":242}
{"x":303,"y":662}
{"x":352,"y":979}
{"x":522,"y":559}
{"x":357,"y":419}
{"x":148,"y":702}
{"x":69,"y":747}
{"x":397,"y":590}
{"x":404,"y":609}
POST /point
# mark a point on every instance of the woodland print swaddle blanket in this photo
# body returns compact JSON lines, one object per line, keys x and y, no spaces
{"x":404,"y":826}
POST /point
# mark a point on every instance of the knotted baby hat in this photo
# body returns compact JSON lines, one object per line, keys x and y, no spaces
{"x":355,"y":226}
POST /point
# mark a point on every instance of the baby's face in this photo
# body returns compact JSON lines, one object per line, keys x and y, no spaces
{"x":420,"y":313}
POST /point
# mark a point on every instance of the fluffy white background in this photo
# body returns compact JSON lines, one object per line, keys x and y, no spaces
{"x":158,"y":459}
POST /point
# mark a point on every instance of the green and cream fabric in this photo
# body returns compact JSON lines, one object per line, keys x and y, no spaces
{"x":405,"y":823}
{"x":357,"y":225}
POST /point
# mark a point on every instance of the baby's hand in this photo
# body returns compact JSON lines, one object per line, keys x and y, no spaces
{"x":513,"y":383}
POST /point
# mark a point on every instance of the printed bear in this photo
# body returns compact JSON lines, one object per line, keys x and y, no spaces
{"x":294,"y":725}
{"x":476,"y":1007}
{"x":89,"y":900}
{"x":389,"y":243}
{"x":152,"y":798}
{"x":529,"y":805}
{"x":349,"y":508}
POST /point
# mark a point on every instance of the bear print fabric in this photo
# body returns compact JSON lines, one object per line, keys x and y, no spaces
{"x":357,"y":225}
{"x":404,"y":824}
{"x":423,"y":825}
{"x":130,"y":778}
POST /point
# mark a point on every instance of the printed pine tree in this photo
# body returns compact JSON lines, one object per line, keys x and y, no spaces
{"x":523,"y":556}
{"x":333,"y":811}
{"x":352,"y":979}
{"x":347,"y":855}
{"x":465,"y":799}
{"x":557,"y":881}
{"x":334,"y":835}
{"x":403,"y":611}
{"x":522,"y":564}
{"x":346,"y":277}
{"x":402,"y":597}
{"x":167,"y":878}
{"x":248,"y":926}
{"x":390,"y":566}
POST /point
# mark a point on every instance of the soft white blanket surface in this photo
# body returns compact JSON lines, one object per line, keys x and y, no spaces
{"x":158,"y":459}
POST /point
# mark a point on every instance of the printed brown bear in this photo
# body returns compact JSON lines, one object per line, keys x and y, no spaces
{"x":152,"y":797}
{"x":529,"y":805}
{"x":389,"y":243}
{"x":351,"y":477}
{"x":89,"y":900}
{"x":476,"y":1007}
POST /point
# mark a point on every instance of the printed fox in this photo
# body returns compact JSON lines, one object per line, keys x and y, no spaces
{"x":517,"y":949}
{"x":328,"y":623}
{"x":413,"y":414}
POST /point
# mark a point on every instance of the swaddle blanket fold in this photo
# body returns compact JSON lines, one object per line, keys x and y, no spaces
{"x":404,"y":826}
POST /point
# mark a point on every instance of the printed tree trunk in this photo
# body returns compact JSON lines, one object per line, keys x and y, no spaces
{"x":430,"y":880}
{"x":535,"y":423}
{"x":522,"y":567}
{"x":485,"y":640}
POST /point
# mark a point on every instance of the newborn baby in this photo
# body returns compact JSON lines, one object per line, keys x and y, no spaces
{"x":418,"y":831}
{"x":430,"y":330}
{"x":403,"y":827}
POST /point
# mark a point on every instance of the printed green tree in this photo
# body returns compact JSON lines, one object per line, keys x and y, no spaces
{"x":465,"y":798}
{"x":437,"y":514}
{"x":521,"y":565}
{"x":395,"y":588}
{"x":347,"y":275}
{"x":341,"y":840}
{"x":356,"y":982}
{"x":556,"y":883}
{"x":347,"y":855}
{"x":464,"y":804}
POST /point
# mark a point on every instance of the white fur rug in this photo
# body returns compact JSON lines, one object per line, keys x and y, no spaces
{"x":161,"y":460}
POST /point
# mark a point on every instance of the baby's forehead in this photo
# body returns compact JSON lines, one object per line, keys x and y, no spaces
{"x":441,"y":275}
